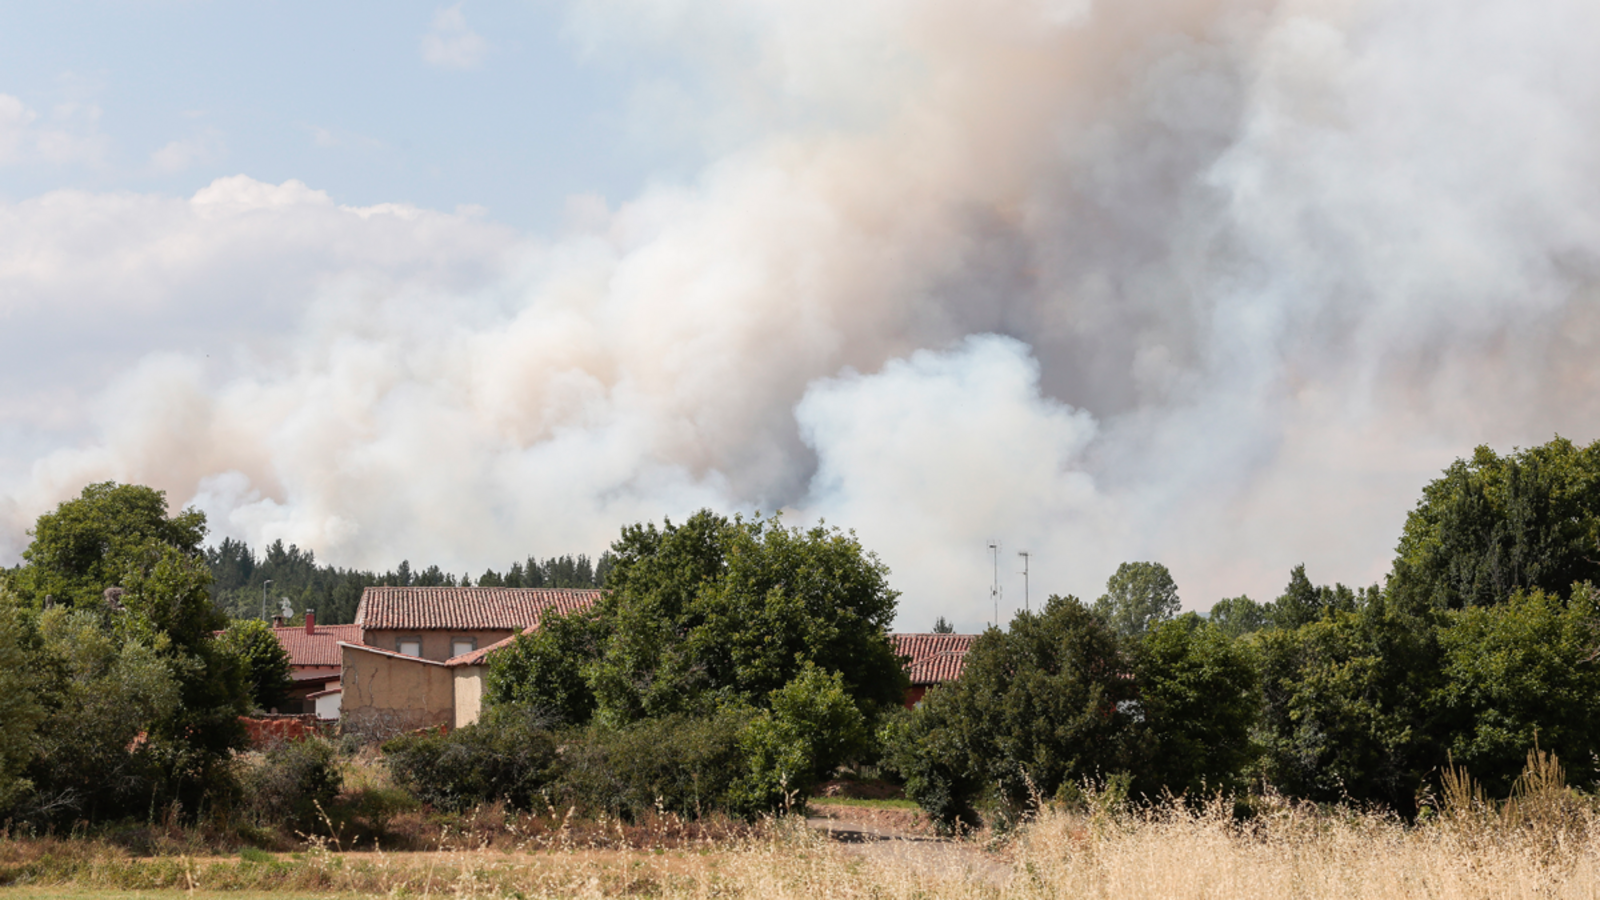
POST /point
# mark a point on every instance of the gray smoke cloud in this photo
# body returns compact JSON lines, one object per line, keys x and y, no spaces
{"x":1217,"y":283}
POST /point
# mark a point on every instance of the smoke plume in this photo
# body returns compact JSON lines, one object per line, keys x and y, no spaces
{"x":1219,"y":283}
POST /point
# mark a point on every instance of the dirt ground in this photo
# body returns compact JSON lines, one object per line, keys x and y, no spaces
{"x":905,"y":837}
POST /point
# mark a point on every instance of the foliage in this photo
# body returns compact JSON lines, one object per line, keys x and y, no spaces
{"x":810,"y":728}
{"x":113,"y":667}
{"x":681,"y":764}
{"x":92,"y":756}
{"x":1044,"y":705}
{"x":506,"y":760}
{"x":1199,"y":700}
{"x":941,"y":626}
{"x":294,"y":784}
{"x":1139,"y":595}
{"x":1345,"y":711}
{"x":265,"y":662}
{"x":1302,"y":602}
{"x":1238,"y":616}
{"x":1494,"y":525}
{"x":540,"y":673}
{"x":1521,"y":675}
{"x":719,"y":611}
{"x":88,"y":545}
{"x":20,"y":709}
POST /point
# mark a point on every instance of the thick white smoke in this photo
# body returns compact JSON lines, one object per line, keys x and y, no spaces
{"x":1216,"y":283}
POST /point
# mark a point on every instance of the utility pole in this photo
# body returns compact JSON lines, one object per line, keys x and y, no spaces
{"x":264,"y":599}
{"x":1025,"y":554}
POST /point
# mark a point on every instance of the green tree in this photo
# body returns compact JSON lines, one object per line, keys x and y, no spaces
{"x":119,"y":535}
{"x":941,"y":626}
{"x":1518,"y":675}
{"x":540,"y":675}
{"x":1493,"y":525}
{"x":102,"y":692}
{"x":809,"y":728}
{"x":1139,"y":595}
{"x":1238,"y":616}
{"x":717,"y":611}
{"x":20,"y":709}
{"x":1346,"y":705}
{"x":1199,"y":699}
{"x":1039,"y":708}
{"x":88,"y":545}
{"x":265,"y":662}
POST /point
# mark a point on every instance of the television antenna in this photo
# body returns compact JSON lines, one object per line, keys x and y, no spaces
{"x":1025,"y":555}
{"x":994,"y":586}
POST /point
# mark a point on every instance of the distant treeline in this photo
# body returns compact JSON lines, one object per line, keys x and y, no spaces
{"x":241,"y":574}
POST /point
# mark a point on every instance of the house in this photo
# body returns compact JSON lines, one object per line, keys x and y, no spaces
{"x":425,"y":652}
{"x":933,"y":659}
{"x":315,"y":663}
{"x":423,"y":659}
{"x":441,"y":623}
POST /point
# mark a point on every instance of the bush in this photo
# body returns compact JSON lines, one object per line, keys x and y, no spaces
{"x":507,"y":759}
{"x":811,"y":728}
{"x":686,"y":765}
{"x":294,"y":784}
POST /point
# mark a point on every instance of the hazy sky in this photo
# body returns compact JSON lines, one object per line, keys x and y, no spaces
{"x":1220,"y":283}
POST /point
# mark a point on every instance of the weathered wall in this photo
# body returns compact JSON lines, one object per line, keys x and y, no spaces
{"x":469,"y":694}
{"x":435,"y":644}
{"x":385,"y":694}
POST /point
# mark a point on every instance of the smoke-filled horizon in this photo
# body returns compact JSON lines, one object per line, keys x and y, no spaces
{"x":1219,"y":284}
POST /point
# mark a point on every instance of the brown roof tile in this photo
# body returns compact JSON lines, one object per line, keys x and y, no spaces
{"x":465,"y":609}
{"x":321,"y":648}
{"x":934,"y":658}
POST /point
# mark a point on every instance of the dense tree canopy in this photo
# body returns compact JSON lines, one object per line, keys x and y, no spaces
{"x":143,"y":662}
{"x":91,"y":543}
{"x":1493,"y":525}
{"x":718,"y":610}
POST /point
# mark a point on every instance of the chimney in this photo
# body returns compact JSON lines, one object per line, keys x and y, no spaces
{"x":311,"y":621}
{"x":277,"y":621}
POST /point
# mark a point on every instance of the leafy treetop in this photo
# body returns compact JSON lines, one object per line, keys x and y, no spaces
{"x":94,"y":542}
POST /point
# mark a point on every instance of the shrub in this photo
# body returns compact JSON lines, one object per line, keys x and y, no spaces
{"x":507,"y":759}
{"x":810,"y":729}
{"x":294,"y":783}
{"x":686,"y":765}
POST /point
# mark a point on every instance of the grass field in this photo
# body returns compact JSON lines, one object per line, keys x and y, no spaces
{"x":1543,"y":843}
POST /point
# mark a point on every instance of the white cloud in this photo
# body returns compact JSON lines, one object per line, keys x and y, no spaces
{"x":69,"y":135}
{"x":180,"y":155}
{"x":451,"y":44}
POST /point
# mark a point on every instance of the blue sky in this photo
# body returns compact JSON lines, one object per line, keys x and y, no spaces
{"x":510,"y":113}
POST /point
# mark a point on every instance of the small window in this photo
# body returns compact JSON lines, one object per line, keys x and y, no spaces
{"x":410,"y":646}
{"x":462,"y":646}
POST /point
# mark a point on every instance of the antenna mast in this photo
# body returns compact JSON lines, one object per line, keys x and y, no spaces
{"x":1025,"y":554}
{"x":994,"y":586}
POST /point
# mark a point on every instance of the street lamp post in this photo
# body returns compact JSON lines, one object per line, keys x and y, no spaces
{"x":264,"y":599}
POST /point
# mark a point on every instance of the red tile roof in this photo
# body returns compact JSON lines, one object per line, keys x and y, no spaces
{"x":318,"y":649}
{"x":935,"y":658}
{"x":464,"y":609}
{"x":476,"y":657}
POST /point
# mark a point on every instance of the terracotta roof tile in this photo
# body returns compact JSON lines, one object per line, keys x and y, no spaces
{"x":320,"y":648}
{"x":934,"y":658}
{"x":465,"y":609}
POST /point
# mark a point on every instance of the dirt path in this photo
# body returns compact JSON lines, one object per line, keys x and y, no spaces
{"x":903,"y":838}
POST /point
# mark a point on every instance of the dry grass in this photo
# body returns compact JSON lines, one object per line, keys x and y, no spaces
{"x":1543,"y":843}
